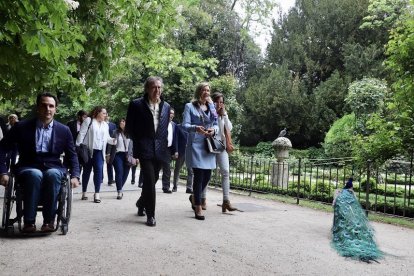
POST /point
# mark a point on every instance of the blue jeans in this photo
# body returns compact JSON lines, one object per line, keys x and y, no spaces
{"x":40,"y":187}
{"x":96,"y":162}
{"x":121,"y":170}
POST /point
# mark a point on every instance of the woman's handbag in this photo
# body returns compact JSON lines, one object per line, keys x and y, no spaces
{"x":214,"y":145}
{"x":83,"y":154}
{"x":229,"y":142}
{"x":83,"y":151}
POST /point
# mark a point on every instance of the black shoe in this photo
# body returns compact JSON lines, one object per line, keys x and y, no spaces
{"x":167,"y":191}
{"x":132,"y":182}
{"x":189,"y":191}
{"x":174,"y":189}
{"x":111,"y":182}
{"x":140,"y":185}
{"x":141,"y":211}
{"x":151,"y":221}
{"x":199,"y":217}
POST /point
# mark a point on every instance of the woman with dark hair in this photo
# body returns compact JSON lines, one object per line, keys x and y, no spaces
{"x":95,"y":134}
{"x":200,"y":121}
{"x":222,"y":158}
{"x":118,"y":156}
{"x":352,"y":235}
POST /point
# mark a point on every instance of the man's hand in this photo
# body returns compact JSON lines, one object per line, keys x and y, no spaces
{"x":74,"y":182}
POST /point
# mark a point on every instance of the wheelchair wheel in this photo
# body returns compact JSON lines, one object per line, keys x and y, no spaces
{"x":8,"y":202}
{"x":66,"y":202}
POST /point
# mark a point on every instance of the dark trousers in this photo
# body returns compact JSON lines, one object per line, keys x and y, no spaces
{"x":150,"y":170}
{"x":110,"y":172}
{"x":201,"y":179}
{"x":166,"y":175}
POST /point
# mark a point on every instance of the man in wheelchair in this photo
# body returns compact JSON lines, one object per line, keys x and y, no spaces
{"x":41,"y":141}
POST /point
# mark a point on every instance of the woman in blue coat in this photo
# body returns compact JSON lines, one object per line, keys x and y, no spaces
{"x":200,"y":121}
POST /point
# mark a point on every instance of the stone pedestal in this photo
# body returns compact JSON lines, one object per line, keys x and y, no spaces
{"x":280,"y":174}
{"x":280,"y":169}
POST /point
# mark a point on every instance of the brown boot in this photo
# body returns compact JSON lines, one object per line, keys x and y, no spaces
{"x":203,"y":204}
{"x":197,"y":213}
{"x":191,"y":199}
{"x":227,"y":206}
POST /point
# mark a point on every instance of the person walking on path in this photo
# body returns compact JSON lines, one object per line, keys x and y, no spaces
{"x":118,"y":156}
{"x":95,"y":134}
{"x":172,"y":146}
{"x":147,"y":125}
{"x":200,"y":120}
{"x":222,"y":158}
{"x":182,"y":136}
{"x":110,"y":166}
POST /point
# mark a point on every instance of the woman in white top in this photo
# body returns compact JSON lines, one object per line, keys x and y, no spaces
{"x":222,"y":158}
{"x":118,"y":154}
{"x":94,"y":133}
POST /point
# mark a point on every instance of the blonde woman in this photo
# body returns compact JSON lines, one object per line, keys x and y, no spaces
{"x":200,"y":121}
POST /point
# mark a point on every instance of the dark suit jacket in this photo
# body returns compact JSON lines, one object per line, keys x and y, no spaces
{"x":73,"y":127}
{"x":181,"y":137}
{"x":148,"y":144}
{"x":23,"y":134}
{"x":112,"y":128}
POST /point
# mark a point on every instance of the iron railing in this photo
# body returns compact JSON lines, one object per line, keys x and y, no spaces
{"x":386,"y":189}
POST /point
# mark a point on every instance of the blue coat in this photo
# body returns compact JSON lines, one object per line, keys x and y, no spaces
{"x":196,"y":155}
{"x":23,"y":134}
{"x":148,"y":144}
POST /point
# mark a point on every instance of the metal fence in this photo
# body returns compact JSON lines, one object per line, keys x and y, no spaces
{"x":386,"y":189}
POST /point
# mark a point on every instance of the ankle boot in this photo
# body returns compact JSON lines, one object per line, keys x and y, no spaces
{"x":227,"y":206}
{"x":203,"y":204}
{"x":191,"y":199}
{"x":197,"y":213}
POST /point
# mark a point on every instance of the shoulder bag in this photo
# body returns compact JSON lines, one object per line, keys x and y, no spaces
{"x":83,"y":151}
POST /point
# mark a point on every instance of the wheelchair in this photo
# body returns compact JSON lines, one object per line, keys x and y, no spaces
{"x":13,"y":200}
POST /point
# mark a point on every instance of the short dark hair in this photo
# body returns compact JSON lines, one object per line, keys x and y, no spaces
{"x":151,"y":80}
{"x":46,"y":94}
{"x":81,"y":113}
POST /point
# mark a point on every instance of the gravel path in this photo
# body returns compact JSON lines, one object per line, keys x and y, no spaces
{"x":268,"y":238}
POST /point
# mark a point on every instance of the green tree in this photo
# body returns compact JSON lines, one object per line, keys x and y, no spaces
{"x":400,"y":50}
{"x":339,"y":137}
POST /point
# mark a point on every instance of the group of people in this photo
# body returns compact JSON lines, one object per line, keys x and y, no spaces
{"x":147,"y":136}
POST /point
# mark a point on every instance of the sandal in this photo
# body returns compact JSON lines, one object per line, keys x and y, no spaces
{"x":84,"y":197}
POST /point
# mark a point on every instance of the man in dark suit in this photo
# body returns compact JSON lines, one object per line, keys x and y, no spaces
{"x":182,"y":136}
{"x":75,"y":125}
{"x":110,"y":166}
{"x":172,"y":146}
{"x":147,"y":125}
{"x":41,"y":142}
